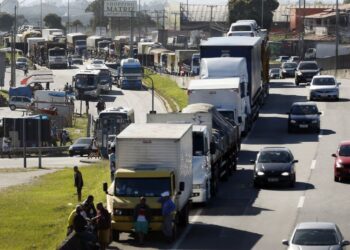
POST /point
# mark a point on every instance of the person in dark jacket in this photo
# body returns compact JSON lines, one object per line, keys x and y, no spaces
{"x":78,"y":181}
{"x":168,"y":207}
{"x":89,"y":207}
{"x":80,"y":227}
{"x":142,"y":218}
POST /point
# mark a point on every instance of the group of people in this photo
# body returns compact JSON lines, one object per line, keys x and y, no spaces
{"x":90,"y":224}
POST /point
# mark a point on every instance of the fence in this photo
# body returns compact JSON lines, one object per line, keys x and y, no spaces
{"x":329,"y":62}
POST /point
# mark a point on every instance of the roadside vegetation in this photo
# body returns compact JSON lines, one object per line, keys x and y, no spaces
{"x":34,"y":216}
{"x":168,"y":89}
{"x":4,"y":93}
{"x":79,"y":127}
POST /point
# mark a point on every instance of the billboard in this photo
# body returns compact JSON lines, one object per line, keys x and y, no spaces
{"x":119,"y":8}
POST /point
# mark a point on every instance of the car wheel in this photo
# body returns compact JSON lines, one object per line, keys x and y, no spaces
{"x":336,"y":179}
{"x":12,"y":107}
{"x":311,"y":98}
{"x":296,"y":83}
{"x":318,"y":130}
{"x":71,"y":154}
{"x":292,"y":182}
{"x":256,"y":184}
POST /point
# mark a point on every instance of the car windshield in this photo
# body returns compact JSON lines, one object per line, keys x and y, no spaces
{"x":323,"y":81}
{"x":311,"y":66}
{"x":83,"y":141}
{"x":136,"y":187}
{"x":97,"y":62}
{"x":274,"y":157}
{"x":315,"y":237}
{"x":275,"y":70}
{"x":344,"y":150}
{"x":289,"y":65}
{"x":304,"y":110}
{"x":21,"y":60}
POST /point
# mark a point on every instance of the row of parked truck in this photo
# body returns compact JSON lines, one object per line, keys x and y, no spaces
{"x":188,"y":153}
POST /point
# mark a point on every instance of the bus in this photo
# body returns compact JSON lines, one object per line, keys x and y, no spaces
{"x":85,"y":84}
{"x":105,"y":78}
{"x":110,"y":122}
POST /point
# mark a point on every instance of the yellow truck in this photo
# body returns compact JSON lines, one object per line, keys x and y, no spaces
{"x":151,"y":159}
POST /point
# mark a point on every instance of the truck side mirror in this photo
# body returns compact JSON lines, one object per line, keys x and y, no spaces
{"x":212,"y":148}
{"x":105,"y":187}
{"x":182,"y":186}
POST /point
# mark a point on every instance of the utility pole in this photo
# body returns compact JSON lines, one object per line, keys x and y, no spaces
{"x":211,"y":14}
{"x":13,"y":51}
{"x":336,"y":35}
{"x":262,"y":13}
{"x":138,"y":19}
{"x":41,"y":15}
{"x":175,"y":14}
{"x":68,"y":19}
{"x":163,"y":17}
{"x":101,"y":16}
{"x":131,"y":34}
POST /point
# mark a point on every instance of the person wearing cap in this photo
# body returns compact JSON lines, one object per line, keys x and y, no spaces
{"x":78,"y":181}
{"x":168,"y":207}
{"x":142,"y":219}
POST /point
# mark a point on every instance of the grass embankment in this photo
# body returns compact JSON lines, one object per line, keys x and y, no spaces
{"x":79,"y":127}
{"x":168,"y":89}
{"x":4,"y":93}
{"x":34,"y":216}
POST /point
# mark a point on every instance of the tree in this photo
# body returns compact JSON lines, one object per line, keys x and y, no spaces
{"x":6,"y":21}
{"x":77,"y":23}
{"x":252,"y":9}
{"x":53,"y":21}
{"x":97,"y":8}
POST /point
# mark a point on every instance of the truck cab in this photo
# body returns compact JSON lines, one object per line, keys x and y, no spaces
{"x":57,"y":58}
{"x":130,"y":74}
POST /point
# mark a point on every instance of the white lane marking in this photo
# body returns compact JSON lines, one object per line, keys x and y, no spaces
{"x":301,"y":202}
{"x":313,"y":164}
{"x":188,"y":228}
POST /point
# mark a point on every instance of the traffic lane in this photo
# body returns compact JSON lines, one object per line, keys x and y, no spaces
{"x":329,"y":200}
{"x":266,"y":213}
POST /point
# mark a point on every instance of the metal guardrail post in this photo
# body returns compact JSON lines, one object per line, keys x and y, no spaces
{"x":39,"y":135}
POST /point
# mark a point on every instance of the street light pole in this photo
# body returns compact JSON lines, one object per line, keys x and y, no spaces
{"x":152,"y":111}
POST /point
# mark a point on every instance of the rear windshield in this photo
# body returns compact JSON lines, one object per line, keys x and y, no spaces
{"x":83,"y":141}
{"x":289,"y":65}
{"x":308,"y":66}
{"x":323,"y":81}
{"x":241,"y":28}
{"x":274,"y":157}
{"x":304,"y":110}
{"x":275,"y":70}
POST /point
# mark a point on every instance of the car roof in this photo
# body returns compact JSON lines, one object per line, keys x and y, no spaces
{"x":275,"y":149}
{"x":303,"y":103}
{"x":324,"y":76}
{"x":345,"y":142}
{"x":316,"y":225}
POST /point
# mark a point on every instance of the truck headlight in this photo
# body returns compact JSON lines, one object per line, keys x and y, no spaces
{"x":339,"y":165}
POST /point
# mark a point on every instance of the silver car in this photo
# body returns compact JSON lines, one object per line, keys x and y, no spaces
{"x":19,"y":102}
{"x":316,"y":235}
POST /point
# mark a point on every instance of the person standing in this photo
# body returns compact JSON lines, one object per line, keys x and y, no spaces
{"x":142,"y":219}
{"x":168,"y":207}
{"x":6,"y":144}
{"x":89,"y":207}
{"x":103,"y":224}
{"x":112,"y":163}
{"x":78,"y":181}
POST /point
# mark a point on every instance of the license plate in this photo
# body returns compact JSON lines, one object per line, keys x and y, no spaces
{"x":303,"y":125}
{"x":272,"y":179}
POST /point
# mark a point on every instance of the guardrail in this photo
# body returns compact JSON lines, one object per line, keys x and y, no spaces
{"x":35,"y":150}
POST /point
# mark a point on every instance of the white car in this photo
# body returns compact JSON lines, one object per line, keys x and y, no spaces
{"x":324,"y":87}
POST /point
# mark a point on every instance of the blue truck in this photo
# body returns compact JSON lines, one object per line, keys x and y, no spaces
{"x":131,"y":74}
{"x":253,"y":50}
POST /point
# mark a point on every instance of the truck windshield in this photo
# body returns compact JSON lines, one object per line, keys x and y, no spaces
{"x":147,"y":187}
{"x":103,"y":44}
{"x":105,"y":75}
{"x":198,"y":144}
{"x":57,"y":53}
{"x":196,"y":61}
{"x":228,"y":115}
{"x":86,"y":80}
{"x":127,"y":70}
{"x":80,"y":42}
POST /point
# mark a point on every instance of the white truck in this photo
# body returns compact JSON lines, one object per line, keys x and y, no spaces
{"x":202,"y":157}
{"x":183,"y":57}
{"x":91,"y":43}
{"x":152,"y":159}
{"x":217,"y":76}
{"x":76,"y":42}
{"x":51,"y":34}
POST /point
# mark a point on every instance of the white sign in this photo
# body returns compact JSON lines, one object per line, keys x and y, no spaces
{"x":119,"y":8}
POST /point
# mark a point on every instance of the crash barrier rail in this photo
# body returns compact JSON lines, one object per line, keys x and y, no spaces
{"x":35,"y":150}
{"x":71,"y":242}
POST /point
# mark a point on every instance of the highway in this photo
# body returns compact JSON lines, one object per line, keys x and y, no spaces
{"x":242,"y":217}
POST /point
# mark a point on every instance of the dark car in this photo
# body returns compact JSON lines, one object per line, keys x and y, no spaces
{"x":274,"y":165}
{"x":304,"y":116}
{"x":305,"y":71}
{"x":288,"y":69}
{"x":21,"y":63}
{"x":274,"y":73}
{"x":342,"y":161}
{"x":81,"y":146}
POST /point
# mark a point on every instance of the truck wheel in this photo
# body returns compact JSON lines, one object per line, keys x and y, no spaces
{"x":184,"y":217}
{"x":115,"y":235}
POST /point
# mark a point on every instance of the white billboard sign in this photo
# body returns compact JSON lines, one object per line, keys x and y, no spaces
{"x":119,"y":8}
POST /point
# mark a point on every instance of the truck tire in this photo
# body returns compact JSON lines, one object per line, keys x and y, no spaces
{"x":115,"y":235}
{"x":213,"y":186}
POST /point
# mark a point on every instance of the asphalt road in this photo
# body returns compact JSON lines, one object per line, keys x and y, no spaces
{"x":242,"y":217}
